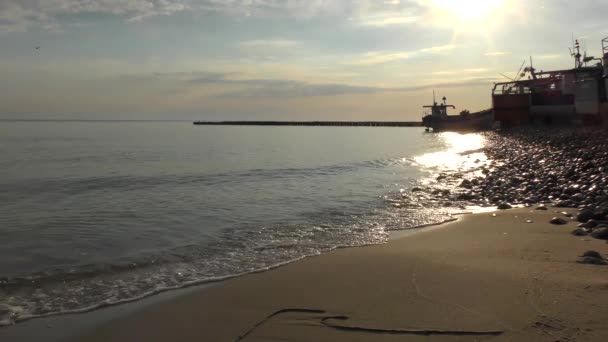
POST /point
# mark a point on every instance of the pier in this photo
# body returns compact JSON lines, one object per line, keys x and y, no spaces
{"x":314,"y":123}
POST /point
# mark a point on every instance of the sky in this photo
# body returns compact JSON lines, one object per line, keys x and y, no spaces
{"x":276,"y":60}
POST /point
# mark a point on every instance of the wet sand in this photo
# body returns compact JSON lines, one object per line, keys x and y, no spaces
{"x":480,"y":278}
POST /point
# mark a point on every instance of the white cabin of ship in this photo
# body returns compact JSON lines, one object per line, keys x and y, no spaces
{"x":438,"y":110}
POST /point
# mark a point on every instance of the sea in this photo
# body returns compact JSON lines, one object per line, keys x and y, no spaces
{"x":97,"y":213}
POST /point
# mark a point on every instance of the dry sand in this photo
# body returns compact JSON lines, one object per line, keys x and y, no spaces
{"x":482,"y":278}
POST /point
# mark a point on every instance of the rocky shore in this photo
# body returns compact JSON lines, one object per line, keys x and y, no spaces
{"x":562,"y":168}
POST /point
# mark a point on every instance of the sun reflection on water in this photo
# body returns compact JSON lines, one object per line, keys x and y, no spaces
{"x":464,"y":151}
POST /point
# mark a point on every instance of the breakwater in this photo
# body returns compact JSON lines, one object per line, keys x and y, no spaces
{"x":314,"y":123}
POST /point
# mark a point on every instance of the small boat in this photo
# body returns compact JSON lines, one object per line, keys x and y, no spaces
{"x":436,"y":119}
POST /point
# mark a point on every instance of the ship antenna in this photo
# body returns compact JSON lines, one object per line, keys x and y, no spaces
{"x":532,"y":70}
{"x":531,"y":66}
{"x":577,"y":56}
{"x":585,"y":52}
{"x":433,"y":95}
{"x":573,"y":51}
{"x":573,"y":43}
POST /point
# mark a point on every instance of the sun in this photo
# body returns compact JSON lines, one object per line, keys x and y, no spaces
{"x":468,"y":15}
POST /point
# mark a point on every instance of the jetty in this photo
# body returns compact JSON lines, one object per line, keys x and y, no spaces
{"x":313,"y":123}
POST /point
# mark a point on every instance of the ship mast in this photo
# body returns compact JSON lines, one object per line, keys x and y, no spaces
{"x":577,"y":55}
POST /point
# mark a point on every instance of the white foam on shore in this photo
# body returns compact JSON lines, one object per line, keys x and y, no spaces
{"x":16,"y":314}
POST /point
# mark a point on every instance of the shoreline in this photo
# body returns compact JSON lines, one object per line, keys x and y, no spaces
{"x":93,"y":317}
{"x":60,"y":327}
{"x":423,"y":279}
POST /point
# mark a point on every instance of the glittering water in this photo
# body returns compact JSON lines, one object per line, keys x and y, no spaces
{"x":96,"y":213}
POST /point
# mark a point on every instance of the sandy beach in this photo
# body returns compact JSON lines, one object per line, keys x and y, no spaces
{"x":484,"y":277}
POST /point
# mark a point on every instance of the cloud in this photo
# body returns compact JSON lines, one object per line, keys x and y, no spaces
{"x":476,"y":70}
{"x":379,"y":57}
{"x":445,"y":72}
{"x":438,"y":49}
{"x":472,"y":81}
{"x":290,"y":88}
{"x":372,"y":58}
{"x":552,"y":56}
{"x":268,"y":44}
{"x":15,"y":16}
{"x":391,"y":21}
{"x":237,"y":86}
{"x":255,"y":87}
{"x":19,"y":15}
{"x":308,"y":8}
{"x":495,"y":53}
{"x":462,"y":71}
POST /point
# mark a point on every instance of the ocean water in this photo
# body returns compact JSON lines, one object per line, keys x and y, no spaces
{"x":99,"y":213}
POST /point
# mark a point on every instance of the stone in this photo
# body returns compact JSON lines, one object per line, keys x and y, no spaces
{"x":578,"y":197}
{"x":592,"y":254}
{"x":562,"y":204}
{"x":579,"y":232}
{"x":504,"y":206}
{"x":591,"y":224}
{"x":600,"y":233}
{"x":584,"y":215}
{"x":558,"y":221}
{"x":465,"y":184}
{"x":541,"y":207}
{"x":592,"y":261}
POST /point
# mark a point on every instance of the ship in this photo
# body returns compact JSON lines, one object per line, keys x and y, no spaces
{"x":436,"y":118}
{"x":572,"y":96}
{"x":575,"y":96}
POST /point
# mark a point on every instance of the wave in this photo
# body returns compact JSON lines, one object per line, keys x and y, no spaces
{"x":236,"y":251}
{"x":89,"y":287}
{"x":71,"y":186}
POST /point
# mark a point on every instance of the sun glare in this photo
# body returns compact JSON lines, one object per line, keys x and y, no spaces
{"x":468,"y":15}
{"x":462,"y":152}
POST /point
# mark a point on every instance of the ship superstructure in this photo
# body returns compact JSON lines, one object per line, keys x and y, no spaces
{"x":577,"y":95}
{"x":436,"y":118}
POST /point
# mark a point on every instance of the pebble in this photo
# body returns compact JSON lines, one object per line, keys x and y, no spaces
{"x":558,"y":221}
{"x":600,"y":233}
{"x":592,"y":261}
{"x":584,"y":216}
{"x":592,"y":254}
{"x":504,"y":206}
{"x":566,"y":167}
{"x":579,"y":232}
{"x":591,"y":223}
